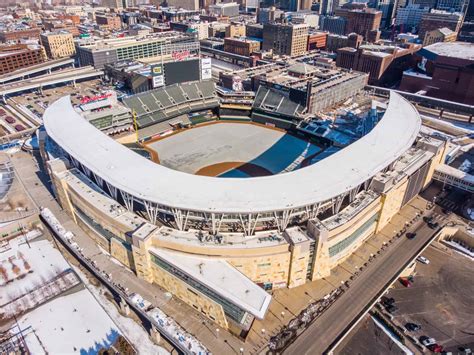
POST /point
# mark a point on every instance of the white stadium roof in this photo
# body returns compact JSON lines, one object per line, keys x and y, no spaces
{"x":146,"y":180}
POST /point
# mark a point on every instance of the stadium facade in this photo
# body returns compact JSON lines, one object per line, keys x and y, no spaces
{"x":218,"y":243}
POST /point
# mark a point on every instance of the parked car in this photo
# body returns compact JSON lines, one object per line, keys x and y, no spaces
{"x":412,"y":327}
{"x":388,"y":301}
{"x":19,"y":128}
{"x":391,"y":308}
{"x":411,"y":235}
{"x":433,"y":225}
{"x":423,"y":260}
{"x":436,"y":348}
{"x":427,"y":219}
{"x":405,"y":282}
{"x":10,"y":119}
{"x":427,"y":341}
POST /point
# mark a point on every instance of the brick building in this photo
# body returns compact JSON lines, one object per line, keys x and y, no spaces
{"x":384,"y":64}
{"x":448,"y":75}
{"x":16,"y":56}
{"x":241,"y":46}
{"x":17,"y":35}
{"x":317,"y":40}
{"x":363,"y":22}
{"x":110,"y":22}
{"x":439,"y":19}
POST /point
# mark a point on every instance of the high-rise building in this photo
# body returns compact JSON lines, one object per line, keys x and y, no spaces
{"x":333,"y":24}
{"x":229,"y":9}
{"x":387,"y":7}
{"x":268,"y":14}
{"x":58,"y":44}
{"x":184,"y":4}
{"x":363,"y":21}
{"x":438,"y":19}
{"x":410,"y":16}
{"x":327,"y":7}
{"x":453,"y":5}
{"x":285,"y":38}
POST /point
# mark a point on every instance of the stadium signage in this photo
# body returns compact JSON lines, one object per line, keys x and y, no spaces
{"x":87,"y":100}
{"x":180,"y":55}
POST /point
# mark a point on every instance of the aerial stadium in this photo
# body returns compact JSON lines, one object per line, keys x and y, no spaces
{"x":223,"y":211}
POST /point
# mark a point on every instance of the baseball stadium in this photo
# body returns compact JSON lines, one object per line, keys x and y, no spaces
{"x":221,"y":211}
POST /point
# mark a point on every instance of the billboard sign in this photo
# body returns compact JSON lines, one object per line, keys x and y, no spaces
{"x":206,"y":68}
{"x":158,"y":81}
{"x":156,"y":70}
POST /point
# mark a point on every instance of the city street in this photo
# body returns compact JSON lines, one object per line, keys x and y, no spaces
{"x":334,"y":322}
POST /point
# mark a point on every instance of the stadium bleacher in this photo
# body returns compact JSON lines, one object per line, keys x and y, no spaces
{"x":272,"y":101}
{"x":166,"y":103}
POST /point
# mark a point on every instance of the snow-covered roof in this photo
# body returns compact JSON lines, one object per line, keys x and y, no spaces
{"x":462,"y":50}
{"x":222,"y":278}
{"x":322,"y":181}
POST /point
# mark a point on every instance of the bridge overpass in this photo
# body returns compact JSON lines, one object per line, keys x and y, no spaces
{"x":27,"y":72}
{"x":454,"y":177}
{"x":60,"y":77}
{"x":429,"y":102}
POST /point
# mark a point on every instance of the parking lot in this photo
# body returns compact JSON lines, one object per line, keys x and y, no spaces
{"x":440,"y":299}
{"x":38,"y":102}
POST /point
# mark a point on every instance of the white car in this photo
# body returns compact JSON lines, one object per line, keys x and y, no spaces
{"x":423,"y":260}
{"x":429,"y":341}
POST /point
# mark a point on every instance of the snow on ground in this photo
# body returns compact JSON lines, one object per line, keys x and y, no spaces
{"x":24,"y":268}
{"x":464,"y":251}
{"x":131,"y":329}
{"x":70,"y":324}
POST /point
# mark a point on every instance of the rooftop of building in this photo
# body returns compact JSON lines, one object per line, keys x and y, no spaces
{"x":94,"y":43}
{"x":461,"y":50}
{"x":222,"y":278}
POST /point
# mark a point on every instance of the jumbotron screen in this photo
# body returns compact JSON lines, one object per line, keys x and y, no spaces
{"x":180,"y":72}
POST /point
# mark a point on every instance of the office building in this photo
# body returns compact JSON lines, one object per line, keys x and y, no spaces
{"x":333,"y":24}
{"x":268,"y":14}
{"x":363,"y":22}
{"x":58,"y":44}
{"x":453,"y":5}
{"x":98,"y":52}
{"x":229,"y":9}
{"x":285,"y":38}
{"x":184,"y":4}
{"x":254,"y":30}
{"x":410,"y":16}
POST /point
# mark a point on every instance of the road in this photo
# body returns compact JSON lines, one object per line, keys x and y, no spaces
{"x":335,"y":321}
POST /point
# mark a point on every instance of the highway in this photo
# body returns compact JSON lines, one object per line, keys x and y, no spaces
{"x":326,"y":330}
